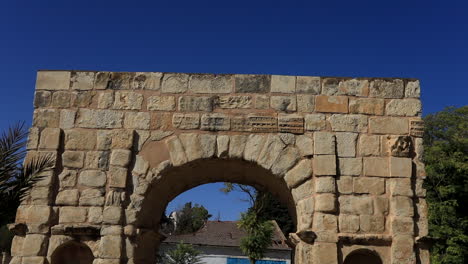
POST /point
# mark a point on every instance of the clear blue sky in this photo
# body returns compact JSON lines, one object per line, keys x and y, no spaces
{"x":420,"y":39}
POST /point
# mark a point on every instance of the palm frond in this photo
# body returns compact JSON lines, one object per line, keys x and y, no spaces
{"x":32,"y":172}
{"x":12,"y":150}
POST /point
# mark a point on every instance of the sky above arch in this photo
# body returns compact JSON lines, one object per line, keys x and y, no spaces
{"x":427,"y":40}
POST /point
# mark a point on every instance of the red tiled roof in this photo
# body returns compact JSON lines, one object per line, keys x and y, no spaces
{"x":225,"y":234}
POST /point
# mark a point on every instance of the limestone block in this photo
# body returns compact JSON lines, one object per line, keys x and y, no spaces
{"x":211,"y":83}
{"x":53,"y":80}
{"x":235,"y":102}
{"x":403,"y":107}
{"x":110,"y":247}
{"x":17,"y":246}
{"x":372,"y":223}
{"x":283,"y":84}
{"x":262,"y":102}
{"x":354,"y":87}
{"x":73,"y":159}
{"x":367,"y":106}
{"x":67,"y":178}
{"x":161,"y":121}
{"x":42,"y":99}
{"x":307,"y":84}
{"x":95,"y":215}
{"x":253,"y":147}
{"x":97,"y":160}
{"x":330,"y":86}
{"x":33,"y":138}
{"x":89,"y":118}
{"x":346,"y":144}
{"x":403,"y":249}
{"x":250,"y":83}
{"x":237,"y":145}
{"x":315,"y":122}
{"x":402,"y":206}
{"x":186,"y":121}
{"x":381,"y":205}
{"x":175,"y":83}
{"x":287,"y":158}
{"x":283,"y":103}
{"x":419,"y":188}
{"x":161,"y":103}
{"x":370,"y":185}
{"x":92,"y":197}
{"x":46,"y":118}
{"x":40,"y":195}
{"x":119,"y":80}
{"x":82,"y":98}
{"x":222,"y":146}
{"x":348,"y":223}
{"x":325,"y":202}
{"x":270,"y":151}
{"x":412,"y":89}
{"x":35,"y":245}
{"x":61,"y":99}
{"x":141,"y":166}
{"x":401,"y":187}
{"x":122,"y":139}
{"x":117,"y":177}
{"x":325,"y":165}
{"x":191,"y":144}
{"x":348,"y":123}
{"x":303,"y":191}
{"x":176,"y":151}
{"x":350,"y":166}
{"x":137,"y":120}
{"x":305,"y":103}
{"x":356,"y":204}
{"x":325,"y":185}
{"x":93,"y":178}
{"x":376,"y":166}
{"x":67,"y":197}
{"x":305,"y":144}
{"x":67,"y":118}
{"x":160,"y":134}
{"x":82,"y":80}
{"x":120,"y":157}
{"x":146,"y":81}
{"x":324,"y":143}
{"x":369,"y":145}
{"x":331,"y":104}
{"x":325,"y":222}
{"x":215,"y":122}
{"x":127,"y":101}
{"x":299,"y":173}
{"x":105,"y":100}
{"x":50,"y":138}
{"x":38,"y":214}
{"x":34,"y":260}
{"x":388,"y":125}
{"x":305,"y":213}
{"x":387,"y":88}
{"x":196,"y":103}
{"x":72,"y":215}
{"x":80,"y":139}
{"x":402,"y":226}
{"x":112,"y":215}
{"x":345,"y":184}
{"x":101,"y":80}
{"x":400,"y":167}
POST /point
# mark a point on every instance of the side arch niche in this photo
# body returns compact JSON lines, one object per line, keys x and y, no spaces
{"x":361,"y":256}
{"x":72,"y":252}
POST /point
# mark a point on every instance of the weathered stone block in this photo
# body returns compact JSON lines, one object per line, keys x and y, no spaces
{"x":372,"y":223}
{"x":412,"y":89}
{"x":253,"y":147}
{"x":404,"y":107}
{"x":325,"y":185}
{"x":222,"y":146}
{"x":146,"y":81}
{"x":211,"y":83}
{"x":175,"y":83}
{"x":304,"y":190}
{"x":35,"y":245}
{"x":315,"y":122}
{"x":324,"y":253}
{"x":50,"y":138}
{"x":82,"y":98}
{"x":325,"y":202}
{"x":262,"y":123}
{"x":110,"y":247}
{"x":95,"y":215}
{"x":369,"y":185}
{"x":345,"y":184}
{"x":283,"y":103}
{"x":402,"y":226}
{"x":305,"y":213}
{"x":325,"y":165}
{"x":112,"y":215}
{"x":235,"y":102}
{"x":61,"y":99}
{"x":402,"y":206}
{"x":53,"y":80}
{"x":346,"y":144}
{"x":17,"y":246}
{"x":67,"y":118}
{"x":117,"y":177}
{"x":305,"y":145}
{"x":127,"y":101}
{"x":196,"y":103}
{"x":72,"y":215}
{"x":306,"y":103}
{"x":290,"y":124}
{"x":42,"y":99}
{"x":348,"y":123}
{"x":250,"y":83}
{"x":80,"y":139}
{"x":356,"y":87}
{"x":92,"y":197}
{"x":403,"y":249}
{"x":89,"y":118}
{"x":73,"y":159}
{"x":120,"y":157}
{"x":401,"y":187}
{"x":381,"y":205}
{"x":67,"y":197}
{"x":283,"y":84}
{"x":67,"y":178}
{"x":368,"y":106}
{"x":46,"y":118}
{"x":376,"y":166}
{"x":137,"y":120}
{"x":97,"y":160}
{"x":93,"y":178}
{"x":400,"y":167}
{"x":356,"y":205}
{"x":262,"y":102}
{"x":176,"y":151}
{"x":237,"y":145}
{"x":348,"y":223}
{"x":215,"y":122}
{"x":307,"y":84}
{"x":350,"y":166}
{"x":299,"y":173}
{"x":105,"y":100}
{"x":324,"y":143}
{"x":388,"y":125}
{"x":387,"y":89}
{"x":369,"y":145}
{"x":161,"y":103}
{"x":82,"y":80}
{"x":325,"y":222}
{"x":331,"y":104}
{"x":121,"y":139}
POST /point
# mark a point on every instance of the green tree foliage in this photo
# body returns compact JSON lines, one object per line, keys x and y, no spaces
{"x":446,"y":159}
{"x":182,"y":254}
{"x":16,"y":180}
{"x":191,"y":219}
{"x":259,"y":235}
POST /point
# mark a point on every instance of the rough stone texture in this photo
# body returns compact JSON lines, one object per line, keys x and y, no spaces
{"x":89,"y":118}
{"x":372,"y":223}
{"x":325,"y":185}
{"x":72,"y":215}
{"x":350,"y":166}
{"x":67,"y":197}
{"x":315,"y":122}
{"x":67,"y":119}
{"x":53,"y":80}
{"x":35,"y":245}
{"x":73,"y":159}
{"x":346,"y":144}
{"x":388,"y":125}
{"x":199,"y":103}
{"x":299,"y":173}
{"x":412,"y":89}
{"x":80,"y":139}
{"x":50,"y":138}
{"x":376,"y":166}
{"x":356,"y":205}
{"x":325,"y":202}
{"x":250,"y":83}
{"x":92,"y":178}
{"x":306,"y":84}
{"x":92,"y":197}
{"x":348,"y":123}
{"x":387,"y":89}
{"x":305,"y":103}
{"x":283,"y":84}
{"x":161,"y":103}
{"x":325,"y":165}
{"x":175,"y":83}
{"x":400,"y":167}
{"x":368,"y":106}
{"x":208,"y":83}
{"x":369,"y":145}
{"x":370,"y":185}
{"x":331,"y":104}
{"x":305,"y":145}
{"x":127,"y":101}
{"x":403,"y":107}
{"x":283,"y":103}
{"x":348,"y":223}
{"x":42,"y":99}
{"x":324,"y":143}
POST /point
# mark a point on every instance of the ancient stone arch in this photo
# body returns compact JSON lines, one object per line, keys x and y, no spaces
{"x":343,"y":153}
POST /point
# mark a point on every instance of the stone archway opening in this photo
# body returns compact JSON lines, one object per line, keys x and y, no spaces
{"x":173,"y":181}
{"x":363,"y":256}
{"x":72,"y":252}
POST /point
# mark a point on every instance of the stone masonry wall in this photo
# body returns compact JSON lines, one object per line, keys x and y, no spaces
{"x":347,"y":150}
